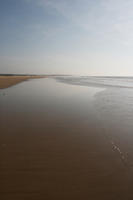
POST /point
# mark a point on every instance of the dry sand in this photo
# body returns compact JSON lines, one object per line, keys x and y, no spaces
{"x":8,"y":81}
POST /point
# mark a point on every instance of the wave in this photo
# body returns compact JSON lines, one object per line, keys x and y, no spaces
{"x":104,"y":81}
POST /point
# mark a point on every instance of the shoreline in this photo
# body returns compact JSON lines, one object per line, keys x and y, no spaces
{"x":9,"y":81}
{"x":54,"y":136}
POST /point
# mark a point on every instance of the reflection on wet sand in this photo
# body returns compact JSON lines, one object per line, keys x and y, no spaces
{"x":54,"y":146}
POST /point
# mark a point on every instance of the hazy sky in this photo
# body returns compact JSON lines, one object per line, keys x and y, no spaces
{"x":87,"y":37}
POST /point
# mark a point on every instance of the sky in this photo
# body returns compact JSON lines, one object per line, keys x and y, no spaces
{"x":78,"y":37}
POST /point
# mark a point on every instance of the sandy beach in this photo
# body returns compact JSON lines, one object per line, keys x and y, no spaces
{"x":66,"y":100}
{"x":8,"y":81}
{"x":62,"y":141}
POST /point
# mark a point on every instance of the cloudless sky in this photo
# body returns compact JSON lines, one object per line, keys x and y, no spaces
{"x":81,"y":37}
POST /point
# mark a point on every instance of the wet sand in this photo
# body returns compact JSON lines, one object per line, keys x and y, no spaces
{"x":8,"y":81}
{"x":54,"y":146}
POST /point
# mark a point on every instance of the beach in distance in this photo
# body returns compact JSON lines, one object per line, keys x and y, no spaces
{"x":10,"y":80}
{"x":66,"y":138}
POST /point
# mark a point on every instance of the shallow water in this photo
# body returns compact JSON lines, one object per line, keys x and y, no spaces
{"x":65,"y":141}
